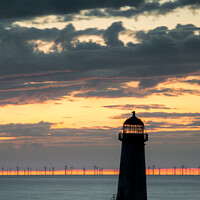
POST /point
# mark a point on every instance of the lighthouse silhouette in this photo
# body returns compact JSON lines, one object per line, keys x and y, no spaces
{"x":132,"y":176}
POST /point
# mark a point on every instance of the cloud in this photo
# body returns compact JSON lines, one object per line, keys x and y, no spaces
{"x":141,"y":106}
{"x":15,"y":10}
{"x":134,"y":92}
{"x":154,"y":7}
{"x":34,"y":148}
{"x":158,"y":126}
{"x":19,"y":130}
{"x":151,"y":82}
{"x":193,"y":81}
{"x":168,"y":115}
{"x":158,"y":115}
{"x":111,"y":35}
{"x":28,"y":75}
{"x":41,"y":132}
{"x":22,"y":9}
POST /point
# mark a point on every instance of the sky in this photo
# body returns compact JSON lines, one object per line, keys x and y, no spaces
{"x":71,"y":72}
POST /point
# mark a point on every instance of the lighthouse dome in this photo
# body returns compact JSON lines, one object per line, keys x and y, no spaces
{"x":134,"y":120}
{"x":133,"y":125}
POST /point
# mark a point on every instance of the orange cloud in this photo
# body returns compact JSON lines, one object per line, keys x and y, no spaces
{"x":7,"y":138}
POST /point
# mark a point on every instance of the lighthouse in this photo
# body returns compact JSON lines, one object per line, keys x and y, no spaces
{"x":132,"y":175}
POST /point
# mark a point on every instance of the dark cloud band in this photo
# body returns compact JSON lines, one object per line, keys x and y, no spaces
{"x":29,"y":75}
{"x":11,"y":9}
{"x":29,"y":8}
{"x":154,"y":7}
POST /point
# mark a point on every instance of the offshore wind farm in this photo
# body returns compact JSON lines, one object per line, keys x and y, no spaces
{"x":150,"y":171}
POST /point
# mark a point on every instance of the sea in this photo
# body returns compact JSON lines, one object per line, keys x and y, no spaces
{"x":94,"y":187}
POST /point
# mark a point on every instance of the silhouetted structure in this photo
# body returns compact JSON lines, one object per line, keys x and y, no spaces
{"x":17,"y":170}
{"x":132,"y":177}
{"x":101,"y":171}
{"x":53,"y":169}
{"x":97,"y":170}
{"x":182,"y":169}
{"x":153,"y":169}
{"x":84,"y":171}
{"x":71,"y":170}
{"x":149,"y":170}
{"x":45,"y":170}
{"x":94,"y":170}
{"x":174,"y":170}
{"x":65,"y":170}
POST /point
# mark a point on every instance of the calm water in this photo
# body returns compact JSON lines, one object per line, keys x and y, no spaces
{"x":94,"y":187}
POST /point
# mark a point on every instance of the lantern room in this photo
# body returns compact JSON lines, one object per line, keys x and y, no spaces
{"x":133,"y":126}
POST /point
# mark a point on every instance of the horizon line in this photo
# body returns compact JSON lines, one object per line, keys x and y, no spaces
{"x":71,"y":172}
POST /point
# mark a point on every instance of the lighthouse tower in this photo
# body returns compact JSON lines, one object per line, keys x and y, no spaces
{"x":132,"y":176}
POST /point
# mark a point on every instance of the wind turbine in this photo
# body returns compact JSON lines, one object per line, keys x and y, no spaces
{"x":182,"y":169}
{"x":45,"y":170}
{"x":65,"y":170}
{"x":153,"y":169}
{"x":17,"y":170}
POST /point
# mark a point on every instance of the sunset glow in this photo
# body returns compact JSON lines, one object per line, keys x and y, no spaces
{"x":7,"y":138}
{"x":169,"y":171}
